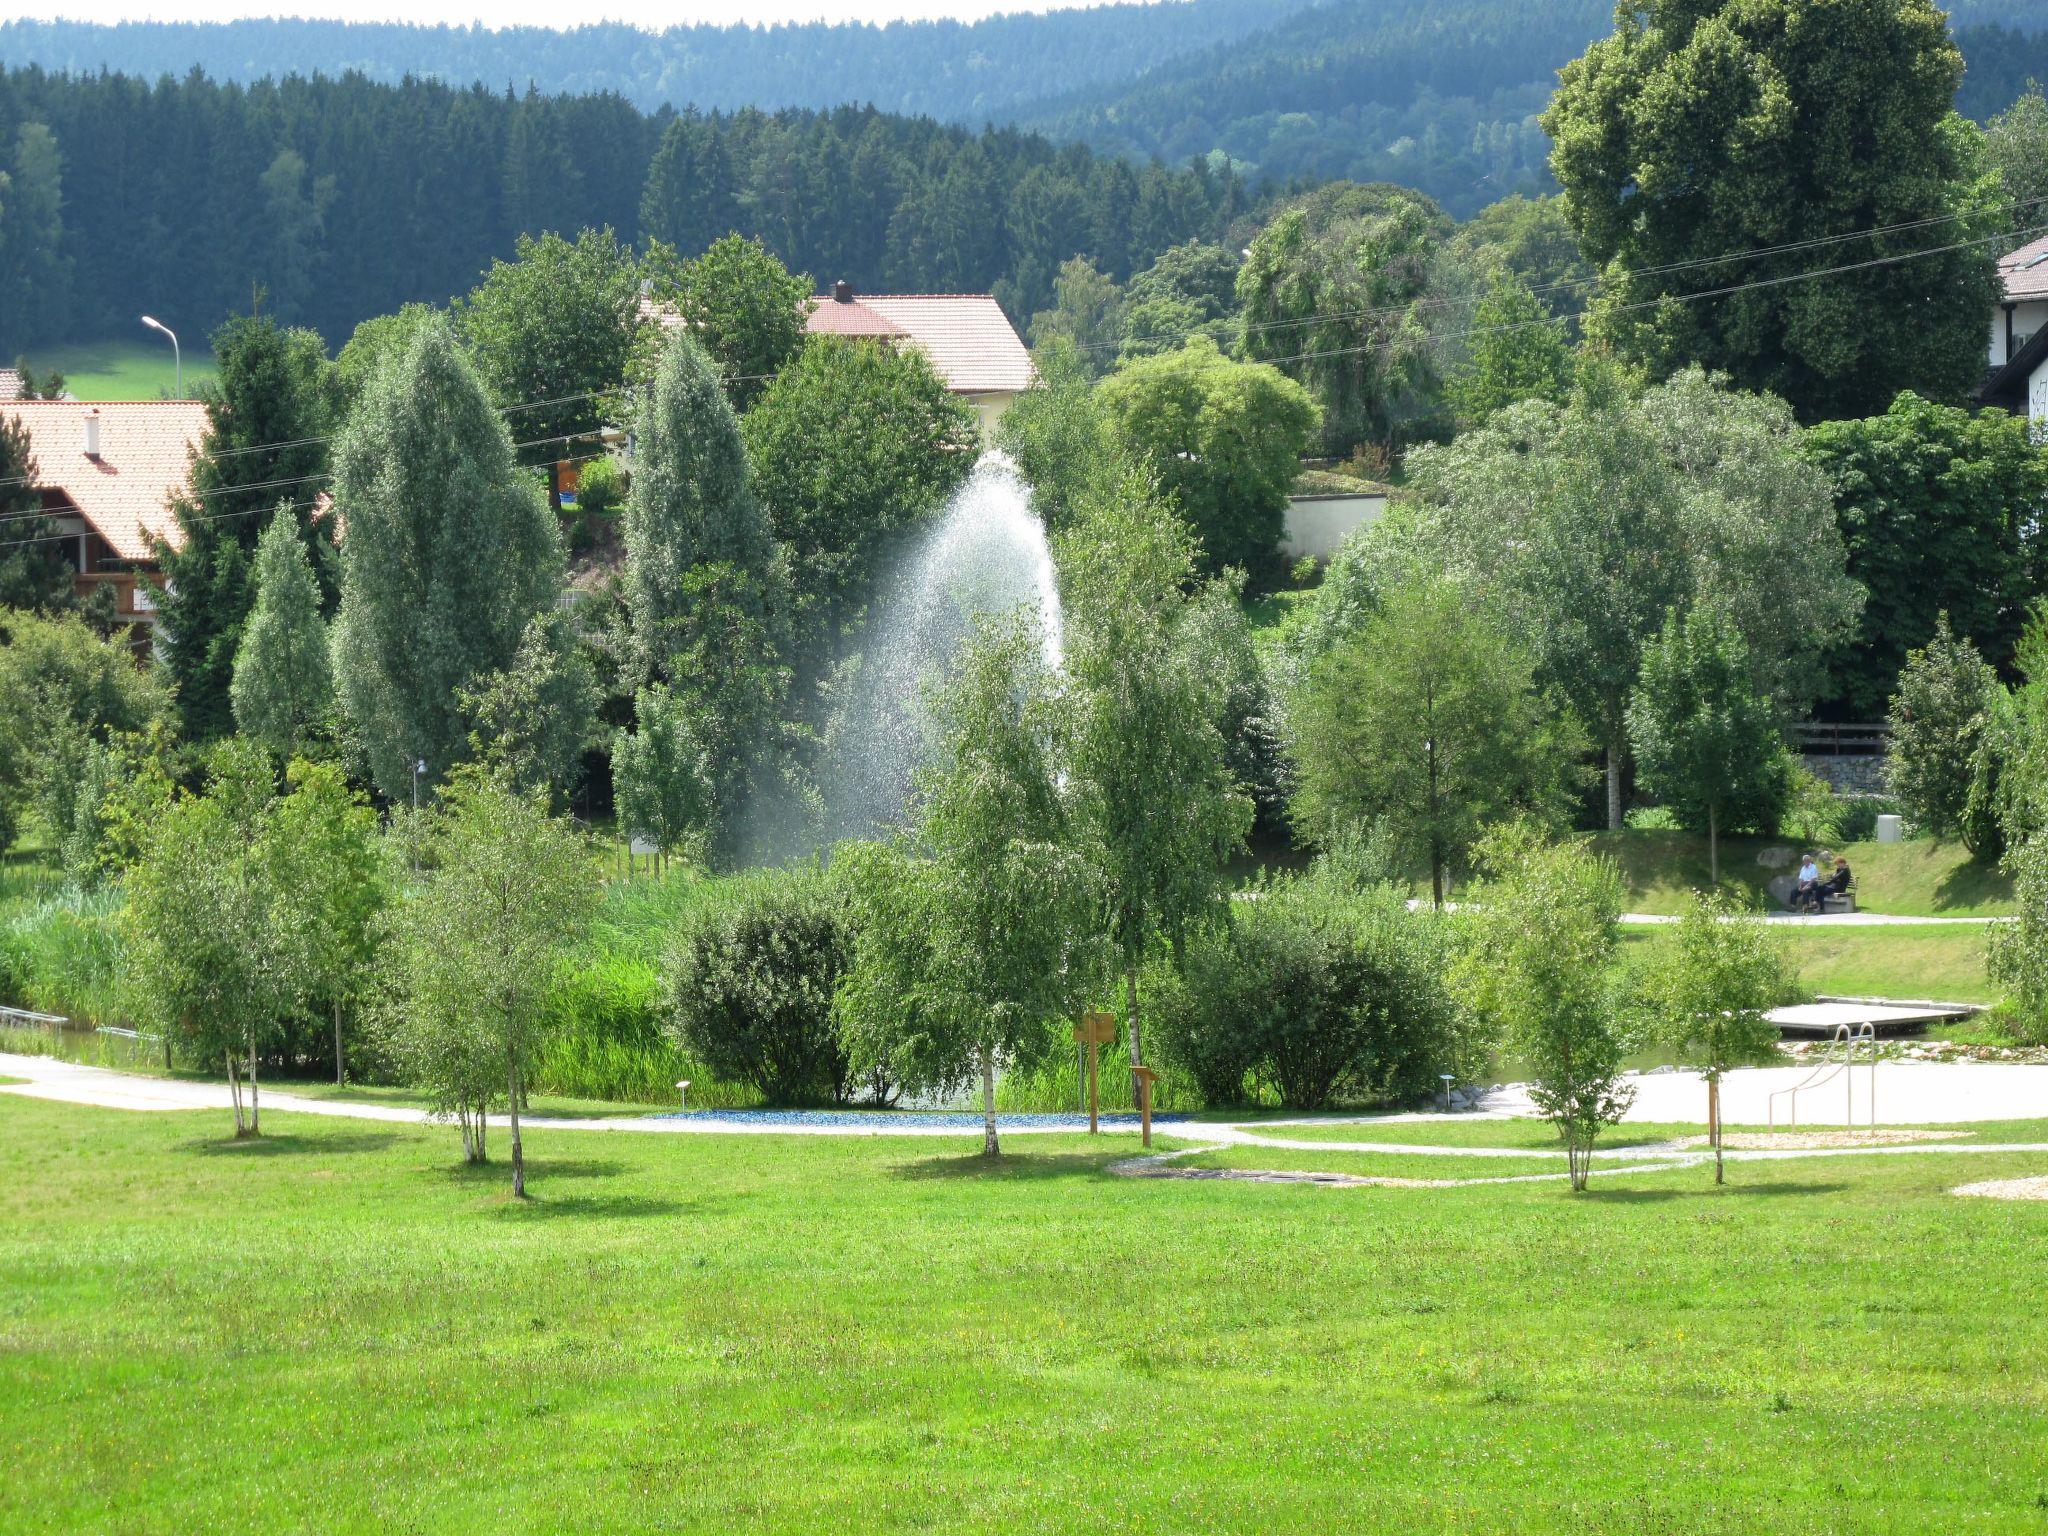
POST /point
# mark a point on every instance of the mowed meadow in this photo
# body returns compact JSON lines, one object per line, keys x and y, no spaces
{"x":340,"y":1328}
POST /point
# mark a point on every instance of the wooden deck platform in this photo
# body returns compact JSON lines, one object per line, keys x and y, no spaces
{"x":1885,"y":1017}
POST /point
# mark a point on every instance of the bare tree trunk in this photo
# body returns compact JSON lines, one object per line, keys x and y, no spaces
{"x":518,"y":1155}
{"x":1613,"y":788}
{"x":339,"y":1076}
{"x":1131,"y":1027}
{"x":255,"y":1106}
{"x":989,"y":1148}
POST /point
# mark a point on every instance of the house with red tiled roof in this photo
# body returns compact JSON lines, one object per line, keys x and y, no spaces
{"x":970,"y":341}
{"x":107,"y":473}
{"x":2019,"y":335}
{"x":10,"y":384}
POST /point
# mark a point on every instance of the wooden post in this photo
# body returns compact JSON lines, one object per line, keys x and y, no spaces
{"x":1094,"y":1031}
{"x":1145,"y":1077}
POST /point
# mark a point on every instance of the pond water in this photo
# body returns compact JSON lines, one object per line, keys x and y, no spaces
{"x":83,"y":1044}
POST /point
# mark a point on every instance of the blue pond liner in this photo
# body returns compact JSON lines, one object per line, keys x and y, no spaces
{"x":910,"y":1119}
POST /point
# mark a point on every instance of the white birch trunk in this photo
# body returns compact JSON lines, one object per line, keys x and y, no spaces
{"x":989,"y":1148}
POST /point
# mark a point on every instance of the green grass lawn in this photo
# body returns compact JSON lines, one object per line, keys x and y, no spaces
{"x":1942,"y":963}
{"x":1273,"y":615}
{"x":125,"y":369}
{"x":338,"y":1329}
{"x":1920,"y":878}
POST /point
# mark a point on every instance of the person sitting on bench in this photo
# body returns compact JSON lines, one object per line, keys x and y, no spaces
{"x":1837,"y":883}
{"x":1808,"y":895}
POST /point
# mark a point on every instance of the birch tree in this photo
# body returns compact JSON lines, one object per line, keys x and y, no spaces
{"x":333,"y":884}
{"x":973,"y":937}
{"x":1538,"y":969}
{"x":1154,"y":800}
{"x":203,"y":956}
{"x":511,"y":889}
{"x":1707,"y":991}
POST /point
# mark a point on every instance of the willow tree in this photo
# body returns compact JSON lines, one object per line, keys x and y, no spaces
{"x":1155,"y":800}
{"x":450,"y":553}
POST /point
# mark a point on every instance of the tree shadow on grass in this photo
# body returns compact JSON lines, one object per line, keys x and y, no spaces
{"x":1730,"y":1190}
{"x":542,"y":1204}
{"x":1010,"y":1167}
{"x":280,"y":1146}
{"x":1971,"y":884}
{"x":499,"y":1169}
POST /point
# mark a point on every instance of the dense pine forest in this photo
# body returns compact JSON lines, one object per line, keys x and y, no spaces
{"x":343,"y":198}
{"x":1440,"y":95}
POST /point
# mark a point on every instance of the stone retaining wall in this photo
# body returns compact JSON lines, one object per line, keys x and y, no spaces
{"x":1847,"y":775}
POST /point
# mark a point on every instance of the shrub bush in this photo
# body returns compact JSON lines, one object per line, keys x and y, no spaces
{"x":752,"y":987}
{"x":1319,"y":990}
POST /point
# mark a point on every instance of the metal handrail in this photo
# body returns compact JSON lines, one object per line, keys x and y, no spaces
{"x":1829,"y":1068}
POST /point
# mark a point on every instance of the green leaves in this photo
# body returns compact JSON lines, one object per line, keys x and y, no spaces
{"x":1223,"y":439}
{"x":1699,"y":131}
{"x":451,"y":552}
{"x":283,"y":689}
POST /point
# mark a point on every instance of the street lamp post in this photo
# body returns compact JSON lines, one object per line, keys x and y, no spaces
{"x":177,"y":356}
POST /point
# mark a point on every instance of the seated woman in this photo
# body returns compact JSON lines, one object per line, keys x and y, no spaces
{"x":1837,"y":883}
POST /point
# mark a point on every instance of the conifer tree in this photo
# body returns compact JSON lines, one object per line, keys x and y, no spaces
{"x":283,"y":687}
{"x":267,"y":422}
{"x":450,"y":553}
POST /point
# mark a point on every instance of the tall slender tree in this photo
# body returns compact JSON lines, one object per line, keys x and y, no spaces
{"x":268,"y":419}
{"x":451,"y":552}
{"x":283,"y":688}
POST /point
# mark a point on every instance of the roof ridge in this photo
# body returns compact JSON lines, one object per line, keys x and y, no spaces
{"x":862,"y":297}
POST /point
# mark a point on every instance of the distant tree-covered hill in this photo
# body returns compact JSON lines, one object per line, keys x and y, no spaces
{"x":1442,"y":95}
{"x":971,"y":72}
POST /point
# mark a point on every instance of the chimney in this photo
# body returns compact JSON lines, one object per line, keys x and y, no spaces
{"x":842,"y":292}
{"x":92,"y":433}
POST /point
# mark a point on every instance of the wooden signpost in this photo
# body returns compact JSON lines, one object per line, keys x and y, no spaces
{"x":1094,"y":1031}
{"x":1145,"y":1077}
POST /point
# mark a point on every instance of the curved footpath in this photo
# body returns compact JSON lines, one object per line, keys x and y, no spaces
{"x":1908,"y":1093}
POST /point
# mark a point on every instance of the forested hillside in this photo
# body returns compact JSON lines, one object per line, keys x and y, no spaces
{"x":1441,"y":95}
{"x":344,"y":198}
{"x":960,"y":71}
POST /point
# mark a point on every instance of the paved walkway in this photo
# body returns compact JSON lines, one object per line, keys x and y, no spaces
{"x":1908,"y":1093}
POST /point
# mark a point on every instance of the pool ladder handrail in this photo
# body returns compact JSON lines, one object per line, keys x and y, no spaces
{"x":1831,"y":1066}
